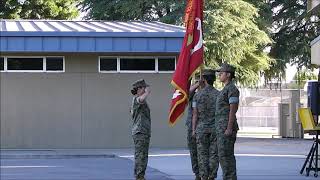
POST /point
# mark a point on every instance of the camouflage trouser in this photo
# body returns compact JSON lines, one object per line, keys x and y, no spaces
{"x":227,"y":159}
{"x":207,"y":155}
{"x":192,"y":145}
{"x":141,"y":147}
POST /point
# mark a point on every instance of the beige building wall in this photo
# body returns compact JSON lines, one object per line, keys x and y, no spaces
{"x":315,"y":52}
{"x":81,"y":108}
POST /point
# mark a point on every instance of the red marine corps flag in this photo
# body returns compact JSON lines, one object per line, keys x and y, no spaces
{"x":190,"y":58}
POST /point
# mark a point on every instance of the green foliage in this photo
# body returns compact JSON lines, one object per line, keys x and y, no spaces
{"x":292,"y":31}
{"x":301,"y":77}
{"x":38,"y":9}
{"x":264,"y":20}
{"x":231,"y":29}
{"x":232,"y":35}
{"x":305,"y":75}
{"x":168,"y":11}
{"x":9,"y":9}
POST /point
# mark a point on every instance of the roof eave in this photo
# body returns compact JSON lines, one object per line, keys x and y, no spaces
{"x":315,"y":41}
{"x":93,"y":34}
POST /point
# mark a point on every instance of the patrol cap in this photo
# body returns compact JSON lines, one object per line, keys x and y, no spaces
{"x":226,"y":68}
{"x":208,"y":72}
{"x":139,"y":83}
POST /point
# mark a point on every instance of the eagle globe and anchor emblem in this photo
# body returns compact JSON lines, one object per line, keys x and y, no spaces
{"x":177,"y":93}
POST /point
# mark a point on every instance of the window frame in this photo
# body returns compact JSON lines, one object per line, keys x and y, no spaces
{"x":156,"y":63}
{"x":44,"y":64}
{"x":139,"y":71}
{"x":4,"y":63}
{"x":63,"y":64}
{"x":168,"y":71}
{"x":104,"y":71}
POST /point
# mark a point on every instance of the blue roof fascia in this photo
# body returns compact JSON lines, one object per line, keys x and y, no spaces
{"x":92,"y":34}
{"x":89,"y":44}
{"x":315,"y":41}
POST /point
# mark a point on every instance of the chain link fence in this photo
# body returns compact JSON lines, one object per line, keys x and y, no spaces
{"x":259,"y":113}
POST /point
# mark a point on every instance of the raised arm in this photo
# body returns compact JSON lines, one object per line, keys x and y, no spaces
{"x":143,"y":97}
{"x":193,"y":88}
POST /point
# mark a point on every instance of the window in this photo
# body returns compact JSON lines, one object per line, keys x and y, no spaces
{"x":26,"y":64}
{"x":108,"y":64}
{"x":166,"y":64}
{"x":32,"y":64}
{"x":137,"y":64}
{"x":1,"y":63}
{"x":54,"y":63}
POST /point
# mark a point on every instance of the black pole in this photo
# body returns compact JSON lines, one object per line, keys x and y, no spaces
{"x":319,"y":75}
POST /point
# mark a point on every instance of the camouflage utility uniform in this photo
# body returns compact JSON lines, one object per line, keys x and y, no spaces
{"x":192,"y":144}
{"x":228,"y":95}
{"x":204,"y":101}
{"x":141,"y":132}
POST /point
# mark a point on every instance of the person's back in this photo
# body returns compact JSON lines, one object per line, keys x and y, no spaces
{"x":206,"y":102}
{"x":203,"y":125}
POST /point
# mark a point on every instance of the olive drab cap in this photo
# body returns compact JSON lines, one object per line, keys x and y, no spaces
{"x":226,"y":68}
{"x":208,"y":72}
{"x":139,"y":83}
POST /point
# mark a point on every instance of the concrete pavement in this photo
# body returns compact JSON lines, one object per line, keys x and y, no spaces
{"x":257,"y":159}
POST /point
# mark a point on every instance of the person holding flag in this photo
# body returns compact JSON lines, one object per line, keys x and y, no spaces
{"x":191,"y":140}
{"x":190,"y":58}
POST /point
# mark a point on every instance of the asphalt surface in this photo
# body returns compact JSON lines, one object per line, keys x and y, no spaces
{"x":257,"y":159}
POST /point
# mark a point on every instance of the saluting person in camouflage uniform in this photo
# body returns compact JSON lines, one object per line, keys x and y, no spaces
{"x":141,"y":127}
{"x":191,"y":140}
{"x":203,"y":123}
{"x":226,"y":123}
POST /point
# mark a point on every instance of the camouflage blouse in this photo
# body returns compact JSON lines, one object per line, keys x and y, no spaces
{"x":205,"y":101}
{"x":228,"y":95}
{"x":141,"y":120}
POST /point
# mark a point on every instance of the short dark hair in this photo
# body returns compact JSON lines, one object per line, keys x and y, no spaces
{"x":209,"y":78}
{"x":232,"y":75}
{"x":134,"y":91}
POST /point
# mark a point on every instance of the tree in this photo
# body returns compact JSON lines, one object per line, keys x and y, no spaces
{"x":39,"y":9}
{"x":301,"y":78}
{"x":9,"y":9}
{"x":292,"y":31}
{"x":231,"y":29}
{"x":168,"y":11}
{"x":232,"y":35}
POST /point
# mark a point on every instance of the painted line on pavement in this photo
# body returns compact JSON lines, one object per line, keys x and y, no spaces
{"x":241,"y":155}
{"x":7,"y":167}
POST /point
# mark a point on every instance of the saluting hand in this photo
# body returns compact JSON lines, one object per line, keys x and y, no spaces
{"x":148,"y":90}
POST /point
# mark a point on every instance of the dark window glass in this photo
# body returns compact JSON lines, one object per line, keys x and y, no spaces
{"x":54,"y":63}
{"x":166,"y":64}
{"x":25,"y":63}
{"x":137,"y":64}
{"x":108,"y":64}
{"x":1,"y":63}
